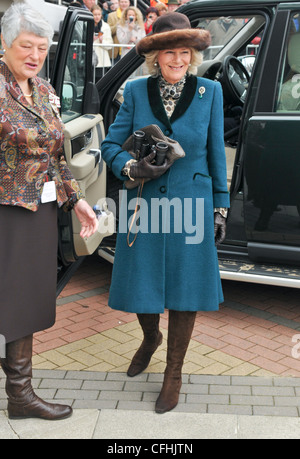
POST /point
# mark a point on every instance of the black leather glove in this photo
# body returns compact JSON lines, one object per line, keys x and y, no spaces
{"x":144,"y":168}
{"x":220,"y":228}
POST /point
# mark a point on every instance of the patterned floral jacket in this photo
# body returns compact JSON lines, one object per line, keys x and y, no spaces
{"x":31,"y":145}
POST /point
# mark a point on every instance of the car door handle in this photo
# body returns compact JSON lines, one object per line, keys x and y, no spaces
{"x":81,"y":142}
{"x":97,"y":155}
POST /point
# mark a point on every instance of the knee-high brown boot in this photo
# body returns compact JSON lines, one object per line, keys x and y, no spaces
{"x":181,"y":325}
{"x":22,"y":401}
{"x":152,"y":339}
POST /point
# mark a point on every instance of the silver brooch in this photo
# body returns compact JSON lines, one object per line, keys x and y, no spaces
{"x":201,"y":91}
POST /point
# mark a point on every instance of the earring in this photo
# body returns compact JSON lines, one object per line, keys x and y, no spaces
{"x":155,"y":64}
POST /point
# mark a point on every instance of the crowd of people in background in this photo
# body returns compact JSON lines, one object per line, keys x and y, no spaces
{"x":120,"y":22}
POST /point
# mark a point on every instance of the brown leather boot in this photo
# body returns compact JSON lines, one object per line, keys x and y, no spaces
{"x":152,"y":339}
{"x":181,"y":325}
{"x":22,"y":401}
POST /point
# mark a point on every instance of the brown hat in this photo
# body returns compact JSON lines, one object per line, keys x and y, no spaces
{"x":173,"y":30}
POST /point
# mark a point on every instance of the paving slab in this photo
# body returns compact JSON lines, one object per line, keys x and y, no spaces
{"x":149,"y":425}
{"x":80,"y":425}
{"x":118,"y":426}
{"x":6,"y":431}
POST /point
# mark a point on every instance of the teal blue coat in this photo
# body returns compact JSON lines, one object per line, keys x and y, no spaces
{"x":173,"y":262}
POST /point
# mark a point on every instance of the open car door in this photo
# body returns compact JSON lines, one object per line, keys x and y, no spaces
{"x":72,"y":78}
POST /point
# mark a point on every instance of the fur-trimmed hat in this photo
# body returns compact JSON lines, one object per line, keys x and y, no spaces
{"x":173,"y":30}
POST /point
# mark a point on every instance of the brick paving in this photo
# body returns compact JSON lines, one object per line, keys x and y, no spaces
{"x":239,"y":360}
{"x":252,"y":334}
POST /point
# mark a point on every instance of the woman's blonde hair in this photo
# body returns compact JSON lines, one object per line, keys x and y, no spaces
{"x":152,"y":64}
{"x":138,"y":15}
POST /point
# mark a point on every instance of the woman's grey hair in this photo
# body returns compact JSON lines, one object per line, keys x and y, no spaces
{"x":21,"y":17}
{"x":151,"y":62}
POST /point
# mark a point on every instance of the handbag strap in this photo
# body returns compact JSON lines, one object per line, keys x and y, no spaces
{"x":137,"y":206}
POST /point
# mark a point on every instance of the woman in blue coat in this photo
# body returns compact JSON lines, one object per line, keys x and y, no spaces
{"x":166,"y":248}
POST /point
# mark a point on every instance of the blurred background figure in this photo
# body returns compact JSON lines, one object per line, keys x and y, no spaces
{"x":88,"y":4}
{"x":130,"y":28}
{"x":221,"y":31}
{"x":78,"y":3}
{"x":161,"y":8}
{"x":102,"y":35}
{"x":172,"y":5}
{"x":113,"y":20}
{"x":157,"y":2}
{"x":151,"y":16}
{"x":108,"y":7}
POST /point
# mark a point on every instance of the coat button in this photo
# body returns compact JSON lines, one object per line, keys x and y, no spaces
{"x":167,"y":132}
{"x":163,"y":189}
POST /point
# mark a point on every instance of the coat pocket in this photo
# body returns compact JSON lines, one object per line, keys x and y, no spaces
{"x":199,"y":175}
{"x":202,"y":185}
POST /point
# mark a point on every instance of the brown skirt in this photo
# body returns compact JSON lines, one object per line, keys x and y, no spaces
{"x":28,"y":270}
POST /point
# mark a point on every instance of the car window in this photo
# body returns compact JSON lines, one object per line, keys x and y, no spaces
{"x":75,"y":74}
{"x":289,"y":84}
{"x":239,"y":36}
{"x":222,"y":30}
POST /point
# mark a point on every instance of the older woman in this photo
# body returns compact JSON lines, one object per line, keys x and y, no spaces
{"x":166,"y":267}
{"x":34,"y":180}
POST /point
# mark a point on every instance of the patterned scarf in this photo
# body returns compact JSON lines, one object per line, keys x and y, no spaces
{"x":170,"y":93}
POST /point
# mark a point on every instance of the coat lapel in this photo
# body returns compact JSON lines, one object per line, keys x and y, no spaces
{"x":156,"y":102}
{"x":186,"y":98}
{"x":184,"y":102}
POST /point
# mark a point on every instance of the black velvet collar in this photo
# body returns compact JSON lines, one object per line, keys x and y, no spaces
{"x":182,"y":105}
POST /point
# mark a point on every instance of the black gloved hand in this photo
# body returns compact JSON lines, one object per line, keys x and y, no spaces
{"x":220,"y":228}
{"x":144,"y":168}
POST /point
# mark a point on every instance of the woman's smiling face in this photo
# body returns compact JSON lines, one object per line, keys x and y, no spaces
{"x":174,"y":63}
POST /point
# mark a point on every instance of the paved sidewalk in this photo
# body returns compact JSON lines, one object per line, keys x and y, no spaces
{"x":117,"y":429}
{"x":252,"y":334}
{"x":114,"y":406}
{"x":241,"y":375}
{"x":241,"y":395}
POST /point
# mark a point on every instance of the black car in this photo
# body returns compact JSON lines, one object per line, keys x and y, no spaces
{"x":255,"y":55}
